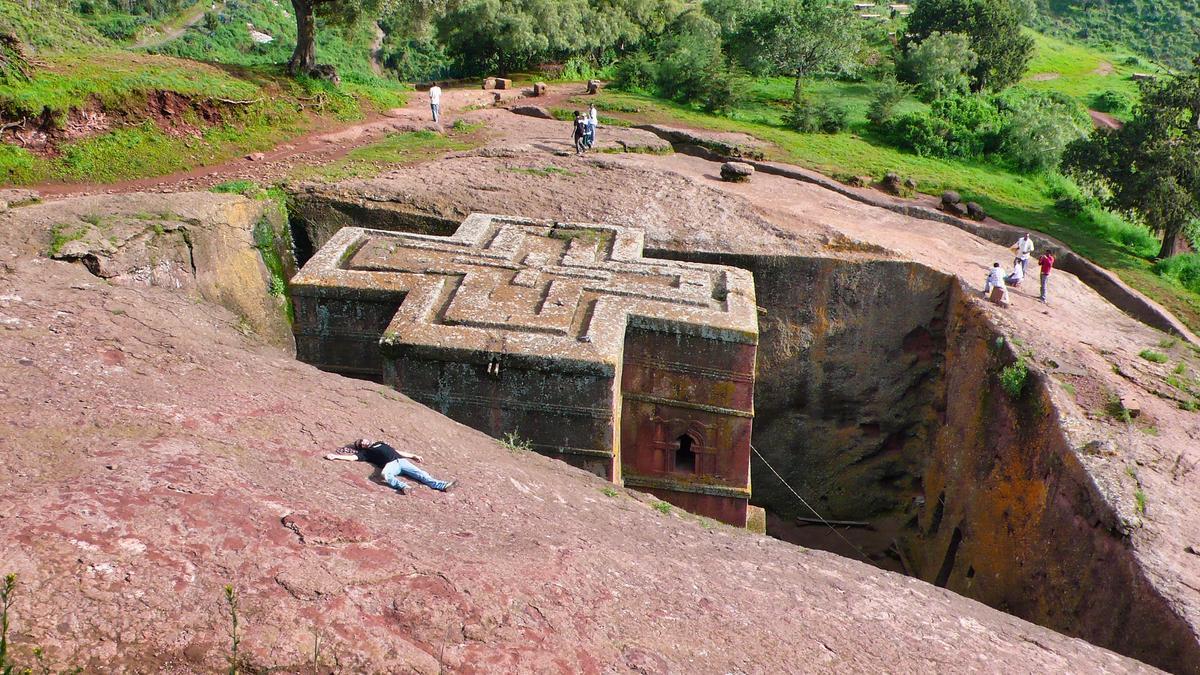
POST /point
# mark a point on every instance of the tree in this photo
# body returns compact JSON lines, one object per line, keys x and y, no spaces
{"x":939,"y":64}
{"x":334,"y":12}
{"x":798,"y":38}
{"x":1151,"y":166}
{"x":993,"y":27}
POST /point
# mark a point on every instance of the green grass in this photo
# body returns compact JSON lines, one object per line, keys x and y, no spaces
{"x":1080,"y":69}
{"x":1153,"y":356}
{"x":1139,"y":499}
{"x":61,"y":235}
{"x":662,"y":507}
{"x":114,"y":80}
{"x":396,"y":149}
{"x":609,"y":491}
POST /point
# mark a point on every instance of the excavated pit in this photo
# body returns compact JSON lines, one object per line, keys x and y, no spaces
{"x":878,"y":400}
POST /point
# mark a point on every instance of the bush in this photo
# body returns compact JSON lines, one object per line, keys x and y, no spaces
{"x":1183,"y":269}
{"x":727,"y":88}
{"x":119,"y":27}
{"x":812,"y":116}
{"x":1013,"y":377}
{"x":921,"y":133}
{"x":635,"y":73}
{"x":1036,"y":133}
{"x":886,"y":95}
{"x":1116,"y":102}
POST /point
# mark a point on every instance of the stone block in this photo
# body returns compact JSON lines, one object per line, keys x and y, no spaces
{"x":736,"y":172}
{"x":502,"y":83}
{"x":539,"y":88}
{"x":951,"y":197}
{"x":891,"y":183}
{"x":489,"y":83}
{"x":975,"y":211}
{"x":593,"y":86}
{"x":532,"y":111}
{"x":998,"y":296}
{"x":958,"y":209}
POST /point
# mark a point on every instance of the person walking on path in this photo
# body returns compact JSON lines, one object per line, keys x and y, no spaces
{"x":1024,"y":247}
{"x":1047,"y":263}
{"x":391,"y":462}
{"x":995,"y":279}
{"x":593,"y":122}
{"x":435,"y":103}
{"x":580,"y":133}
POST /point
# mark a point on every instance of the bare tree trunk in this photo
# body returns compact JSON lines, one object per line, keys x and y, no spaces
{"x":1173,"y":243}
{"x":304,"y":59}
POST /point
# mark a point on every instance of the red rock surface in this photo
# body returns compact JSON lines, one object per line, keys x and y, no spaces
{"x":154,"y":454}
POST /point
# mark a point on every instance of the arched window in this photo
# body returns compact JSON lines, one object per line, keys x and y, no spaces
{"x":685,"y":457}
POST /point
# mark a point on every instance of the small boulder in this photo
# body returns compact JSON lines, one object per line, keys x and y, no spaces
{"x":910,"y":184}
{"x":502,"y":83}
{"x":736,"y":172}
{"x":891,"y":183}
{"x":539,"y":88}
{"x":951,"y":197}
{"x":532,"y":111}
{"x":593,"y":86}
{"x":957,"y":209}
{"x":489,"y":83}
{"x":256,"y":157}
{"x":326,"y":72}
{"x":975,"y":211}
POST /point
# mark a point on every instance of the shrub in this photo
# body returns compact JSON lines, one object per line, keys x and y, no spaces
{"x":812,"y":116}
{"x":1013,"y":377}
{"x":634,"y":73}
{"x":886,"y":95}
{"x":1183,"y":269}
{"x":727,"y":87}
{"x":939,"y":65}
{"x":921,"y":133}
{"x":1115,"y":102}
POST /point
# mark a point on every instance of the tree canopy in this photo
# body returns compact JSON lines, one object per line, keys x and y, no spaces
{"x":797,"y":38}
{"x":1150,"y":167}
{"x":993,"y":27}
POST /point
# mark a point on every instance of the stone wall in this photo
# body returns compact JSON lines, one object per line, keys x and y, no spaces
{"x":878,"y":399}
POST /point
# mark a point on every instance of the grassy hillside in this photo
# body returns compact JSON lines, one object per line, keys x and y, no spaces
{"x":92,"y":111}
{"x":1167,"y":31}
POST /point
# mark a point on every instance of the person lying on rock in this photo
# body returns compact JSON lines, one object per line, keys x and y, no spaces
{"x":391,"y":462}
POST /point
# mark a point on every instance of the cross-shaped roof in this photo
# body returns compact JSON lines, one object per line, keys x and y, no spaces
{"x":562,"y":291}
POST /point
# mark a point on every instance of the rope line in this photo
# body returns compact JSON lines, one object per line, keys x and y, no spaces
{"x":810,"y":508}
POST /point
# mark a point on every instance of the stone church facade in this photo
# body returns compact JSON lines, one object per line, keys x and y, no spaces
{"x":639,"y":370}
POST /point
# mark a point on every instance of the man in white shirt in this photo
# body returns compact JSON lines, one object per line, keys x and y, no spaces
{"x":593,"y":122}
{"x":996,"y":280}
{"x":1024,"y":247}
{"x":435,"y":102}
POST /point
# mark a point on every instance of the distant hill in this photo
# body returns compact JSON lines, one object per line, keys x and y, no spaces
{"x":1168,"y":31}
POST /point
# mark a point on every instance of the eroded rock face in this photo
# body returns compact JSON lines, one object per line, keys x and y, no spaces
{"x":897,"y":420}
{"x":201,"y":242}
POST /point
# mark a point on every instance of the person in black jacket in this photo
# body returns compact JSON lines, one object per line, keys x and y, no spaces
{"x":580,"y":134}
{"x":391,"y":462}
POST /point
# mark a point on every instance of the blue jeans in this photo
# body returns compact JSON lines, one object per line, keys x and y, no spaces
{"x":437,"y":110}
{"x":402,"y":467}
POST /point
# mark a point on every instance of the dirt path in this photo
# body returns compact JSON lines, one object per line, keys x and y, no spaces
{"x":191,"y":17}
{"x":319,"y":146}
{"x":1103,"y":120}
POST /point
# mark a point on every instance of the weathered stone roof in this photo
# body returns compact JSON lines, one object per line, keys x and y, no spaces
{"x":534,"y":288}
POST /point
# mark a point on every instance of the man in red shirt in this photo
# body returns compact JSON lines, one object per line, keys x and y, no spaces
{"x":1047,"y":263}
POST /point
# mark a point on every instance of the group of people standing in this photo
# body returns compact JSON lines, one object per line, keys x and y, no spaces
{"x":584,"y":130}
{"x":1024,"y":248}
